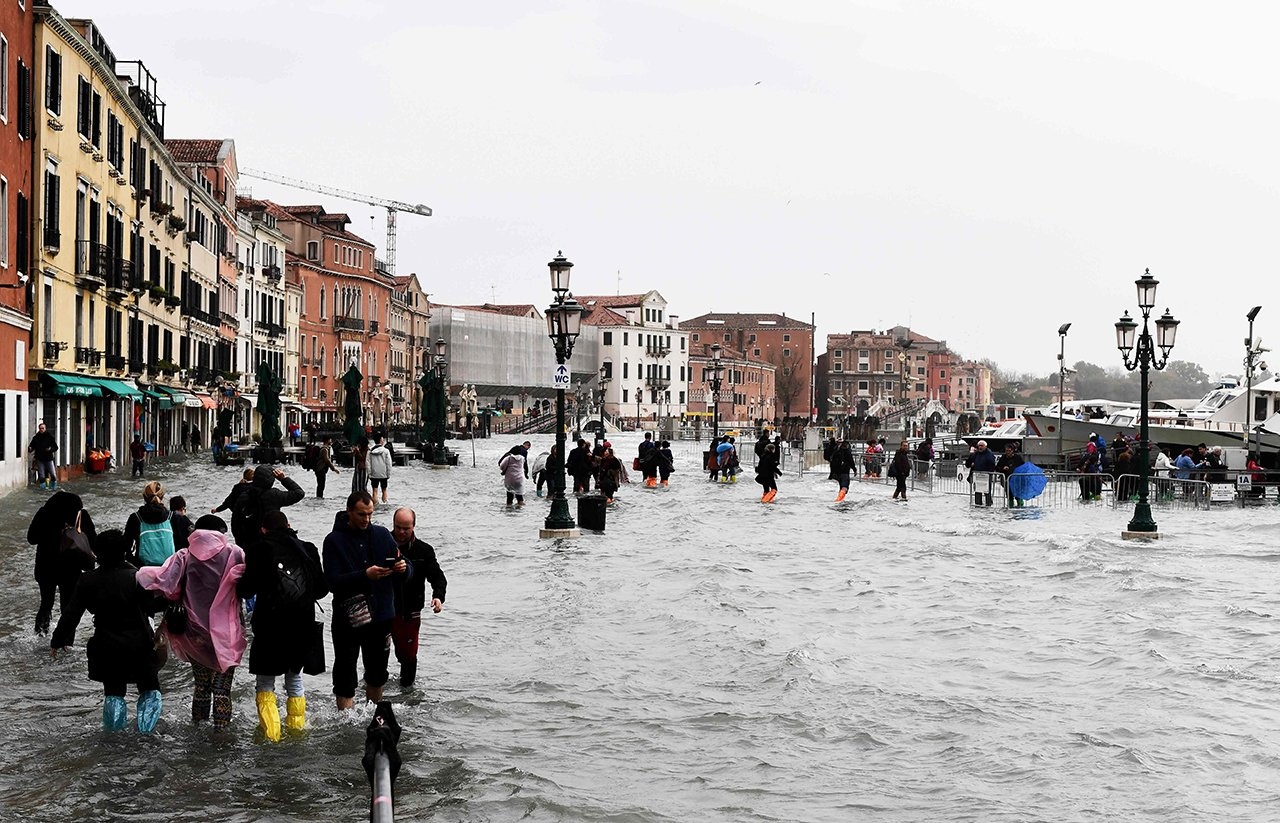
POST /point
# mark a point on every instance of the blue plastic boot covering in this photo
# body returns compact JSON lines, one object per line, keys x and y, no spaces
{"x":115,"y":713}
{"x":148,"y":711}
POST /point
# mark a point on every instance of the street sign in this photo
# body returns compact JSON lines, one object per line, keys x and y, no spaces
{"x":560,"y":377}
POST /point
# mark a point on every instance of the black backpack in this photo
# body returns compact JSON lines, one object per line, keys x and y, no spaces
{"x":310,"y":456}
{"x":246,"y":516}
{"x":298,"y":580}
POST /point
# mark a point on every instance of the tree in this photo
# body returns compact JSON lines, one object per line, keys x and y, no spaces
{"x":788,"y":371}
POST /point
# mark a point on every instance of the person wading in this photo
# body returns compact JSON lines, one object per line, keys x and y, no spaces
{"x":359,"y":561}
{"x":411,"y":596}
{"x":58,"y":570}
{"x":148,"y":530}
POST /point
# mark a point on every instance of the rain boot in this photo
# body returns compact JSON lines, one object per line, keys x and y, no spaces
{"x":115,"y":713}
{"x":269,"y":716}
{"x":772,"y":494}
{"x":149,"y":704}
{"x":295,"y":719}
{"x":408,"y":673}
{"x":841,"y":494}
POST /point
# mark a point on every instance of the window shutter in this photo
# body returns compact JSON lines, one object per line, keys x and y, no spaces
{"x":24,"y":101}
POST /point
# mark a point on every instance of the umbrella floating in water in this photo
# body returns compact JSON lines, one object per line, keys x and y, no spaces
{"x":1027,"y":482}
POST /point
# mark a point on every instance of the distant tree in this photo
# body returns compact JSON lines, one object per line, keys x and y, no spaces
{"x":1179,"y":380}
{"x":787,"y":379}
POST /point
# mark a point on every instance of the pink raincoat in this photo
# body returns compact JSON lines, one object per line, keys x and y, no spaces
{"x":205,"y":573}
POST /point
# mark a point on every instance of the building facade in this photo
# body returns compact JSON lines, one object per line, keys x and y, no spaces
{"x":747,"y":391}
{"x":644,"y":354}
{"x":17,"y":185}
{"x":783,"y":342}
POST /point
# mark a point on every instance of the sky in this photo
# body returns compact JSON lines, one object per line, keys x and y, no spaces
{"x":983,"y":172}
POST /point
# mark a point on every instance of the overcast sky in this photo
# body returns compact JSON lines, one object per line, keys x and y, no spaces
{"x":982,"y":171}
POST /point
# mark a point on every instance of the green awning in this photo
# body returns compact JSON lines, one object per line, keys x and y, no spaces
{"x":72,"y":385}
{"x":164,"y":400}
{"x":176,"y":397}
{"x":119,"y":388}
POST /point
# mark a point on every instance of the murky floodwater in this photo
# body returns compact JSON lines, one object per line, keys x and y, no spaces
{"x":713,"y":659}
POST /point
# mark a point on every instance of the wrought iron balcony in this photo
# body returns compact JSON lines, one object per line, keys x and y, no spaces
{"x":271,"y":329}
{"x":115,"y":362}
{"x":272,"y":272}
{"x":657,"y":350}
{"x":88,"y":357}
{"x":119,"y":278}
{"x":657,"y":382}
{"x":396,"y":334}
{"x":344,"y":323}
{"x":136,"y":365}
{"x":373,"y":327}
{"x":52,"y":349}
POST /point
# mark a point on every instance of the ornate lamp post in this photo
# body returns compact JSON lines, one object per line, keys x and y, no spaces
{"x":717,"y":375}
{"x":1144,"y":359}
{"x":905,"y":343}
{"x":1252,"y":354}
{"x":1062,"y":377}
{"x":564,"y":322}
{"x":579,"y":401}
{"x":440,"y":457}
{"x":604,"y":378}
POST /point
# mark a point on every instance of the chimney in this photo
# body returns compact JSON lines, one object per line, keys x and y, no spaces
{"x":673,"y":320}
{"x":631,"y":317}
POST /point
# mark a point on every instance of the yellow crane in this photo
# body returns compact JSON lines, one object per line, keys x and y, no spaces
{"x":392,"y":206}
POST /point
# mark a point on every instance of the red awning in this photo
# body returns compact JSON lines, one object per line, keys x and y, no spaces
{"x":206,"y":401}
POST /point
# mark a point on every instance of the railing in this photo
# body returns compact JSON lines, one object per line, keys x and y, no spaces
{"x":399,"y":371}
{"x":396,"y":334}
{"x":657,"y":382}
{"x":115,"y":362}
{"x":136,"y":365}
{"x":271,"y":329}
{"x":89,"y":357}
{"x":229,"y":318}
{"x":272,"y":272}
{"x":657,"y":350}
{"x":120,"y":276}
{"x":344,"y":323}
{"x":52,"y":349}
{"x":373,"y":327}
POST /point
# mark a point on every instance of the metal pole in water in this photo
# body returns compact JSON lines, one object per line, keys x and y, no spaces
{"x":381,"y":807}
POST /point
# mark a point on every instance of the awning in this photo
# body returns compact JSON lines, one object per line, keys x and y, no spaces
{"x":159,"y":397}
{"x":72,"y":385}
{"x":193,"y":402}
{"x":207,"y":401}
{"x":251,"y":399}
{"x":177,"y":397}
{"x":119,"y":388}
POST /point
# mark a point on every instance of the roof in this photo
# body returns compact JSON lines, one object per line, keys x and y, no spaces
{"x":250,"y":204}
{"x":304,"y":209}
{"x":514,"y":310}
{"x":611,"y":301}
{"x":737,"y":320}
{"x":603,"y":316}
{"x":194,"y":151}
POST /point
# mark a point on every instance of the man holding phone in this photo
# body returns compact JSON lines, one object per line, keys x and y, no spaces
{"x":360,"y":561}
{"x":411,"y":594}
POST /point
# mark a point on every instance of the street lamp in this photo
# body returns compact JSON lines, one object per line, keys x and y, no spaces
{"x":1062,"y":377}
{"x":905,"y":343}
{"x":440,"y":457}
{"x":604,"y":378}
{"x":1252,"y":352}
{"x":1144,"y":359}
{"x":717,"y":373}
{"x":564,"y":323}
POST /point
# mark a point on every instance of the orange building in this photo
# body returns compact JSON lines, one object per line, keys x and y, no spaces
{"x":747,"y":389}
{"x":783,"y":342}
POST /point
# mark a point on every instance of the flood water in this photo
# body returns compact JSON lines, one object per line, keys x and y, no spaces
{"x":710,"y":658}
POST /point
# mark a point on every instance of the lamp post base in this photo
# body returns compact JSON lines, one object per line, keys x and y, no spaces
{"x":1131,"y":535}
{"x":556,"y":533}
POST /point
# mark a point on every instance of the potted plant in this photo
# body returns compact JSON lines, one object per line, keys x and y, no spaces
{"x":176,"y":223}
{"x":157,"y":293}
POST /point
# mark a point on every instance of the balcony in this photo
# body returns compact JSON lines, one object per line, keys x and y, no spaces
{"x":273,"y":273}
{"x":657,"y":350}
{"x":115,"y":362}
{"x":52,"y":238}
{"x":136,"y":366}
{"x":119,"y":278}
{"x":270,"y":329}
{"x":396,"y":334}
{"x":657,"y":382}
{"x":344,"y":323}
{"x":399,"y":371}
{"x":88,"y":358}
{"x":373,"y":327}
{"x":229,"y":319}
{"x":52,"y":350}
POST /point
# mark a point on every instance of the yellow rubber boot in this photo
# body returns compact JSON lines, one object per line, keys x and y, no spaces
{"x":295,"y":719}
{"x":269,"y":716}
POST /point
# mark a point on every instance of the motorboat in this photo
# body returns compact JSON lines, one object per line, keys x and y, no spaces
{"x":1217,"y":419}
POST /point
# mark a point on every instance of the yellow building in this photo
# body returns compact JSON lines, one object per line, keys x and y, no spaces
{"x":114,"y":251}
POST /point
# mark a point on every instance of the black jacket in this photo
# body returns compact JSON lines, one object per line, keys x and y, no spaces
{"x":121,"y":646}
{"x":255,"y":501}
{"x":43,"y":446}
{"x":348,"y":553}
{"x":901,"y":465}
{"x":45,"y":533}
{"x":280,"y":630}
{"x":579,"y":462}
{"x":411,"y":593}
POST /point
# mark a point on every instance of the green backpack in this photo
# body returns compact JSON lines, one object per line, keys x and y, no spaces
{"x":155,"y":542}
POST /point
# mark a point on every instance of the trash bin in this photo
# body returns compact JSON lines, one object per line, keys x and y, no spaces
{"x":591,"y":509}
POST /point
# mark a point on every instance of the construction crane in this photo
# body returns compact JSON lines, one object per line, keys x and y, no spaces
{"x":392,"y":206}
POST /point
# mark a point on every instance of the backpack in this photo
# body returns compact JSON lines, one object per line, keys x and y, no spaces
{"x":298,"y":581}
{"x":155,"y":542}
{"x":247,"y":514}
{"x":310,"y":456}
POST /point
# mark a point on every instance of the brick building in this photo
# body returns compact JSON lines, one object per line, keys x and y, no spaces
{"x":783,"y":342}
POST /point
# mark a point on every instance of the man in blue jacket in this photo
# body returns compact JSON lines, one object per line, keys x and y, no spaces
{"x":359,"y":561}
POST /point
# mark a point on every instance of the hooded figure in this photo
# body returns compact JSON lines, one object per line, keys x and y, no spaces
{"x":54,"y":572}
{"x":120,"y":651}
{"x":258,"y":499}
{"x":203,"y":577}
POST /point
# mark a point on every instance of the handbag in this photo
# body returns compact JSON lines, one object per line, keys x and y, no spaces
{"x":160,"y":646}
{"x":74,"y":545}
{"x":175,"y":612}
{"x":314,"y":663}
{"x":635,"y":464}
{"x":357,"y":611}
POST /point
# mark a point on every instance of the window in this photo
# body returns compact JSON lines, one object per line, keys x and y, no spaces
{"x":313,"y":253}
{"x":755,"y":352}
{"x":863,"y":386}
{"x":624,"y":338}
{"x":694,"y":337}
{"x":4,"y":79}
{"x":52,"y":237}
{"x":624,"y":395}
{"x":4,"y":223}
{"x":52,"y":81}
{"x":24,"y":101}
{"x":624,"y":371}
{"x":786,"y":338}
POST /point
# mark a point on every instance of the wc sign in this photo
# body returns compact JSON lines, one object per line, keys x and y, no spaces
{"x":560,"y":378}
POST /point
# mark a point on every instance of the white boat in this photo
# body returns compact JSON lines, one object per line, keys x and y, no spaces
{"x":1217,"y":419}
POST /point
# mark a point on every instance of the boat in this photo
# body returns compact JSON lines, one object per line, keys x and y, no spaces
{"x":1217,"y":419}
{"x":999,"y":434}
